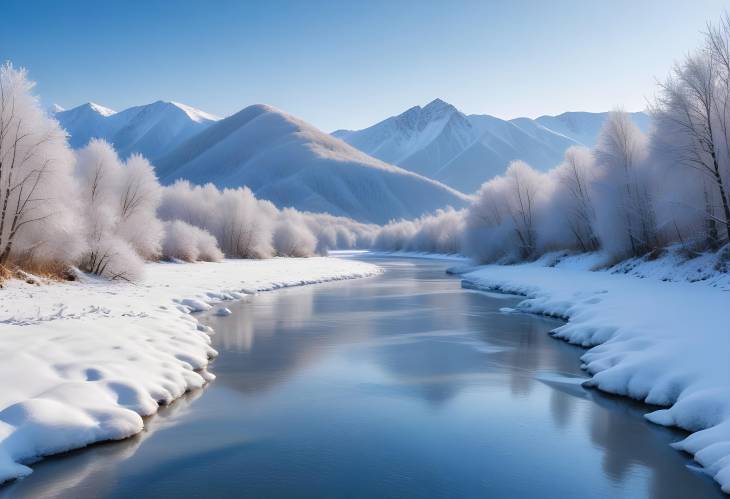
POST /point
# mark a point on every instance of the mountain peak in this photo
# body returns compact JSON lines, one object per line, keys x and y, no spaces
{"x":104,"y":111}
{"x":437,"y":105}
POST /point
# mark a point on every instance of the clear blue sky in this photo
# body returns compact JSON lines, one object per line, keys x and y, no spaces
{"x":349,"y":64}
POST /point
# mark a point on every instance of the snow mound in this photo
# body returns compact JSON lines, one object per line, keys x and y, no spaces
{"x":223,"y":312}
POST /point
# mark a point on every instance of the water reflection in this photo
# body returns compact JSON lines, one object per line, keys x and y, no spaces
{"x":403,"y":385}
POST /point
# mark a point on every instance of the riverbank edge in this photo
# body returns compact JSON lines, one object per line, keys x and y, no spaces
{"x":78,"y":400}
{"x":635,"y":326}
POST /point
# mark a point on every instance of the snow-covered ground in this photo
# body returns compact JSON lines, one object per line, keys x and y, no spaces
{"x":659,"y":331}
{"x":83,"y":361}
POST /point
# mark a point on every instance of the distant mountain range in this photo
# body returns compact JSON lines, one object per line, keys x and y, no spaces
{"x":279,"y":157}
{"x":463,"y":151}
{"x":402,"y":167}
{"x":151,"y":130}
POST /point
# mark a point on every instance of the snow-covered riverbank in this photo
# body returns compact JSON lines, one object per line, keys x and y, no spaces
{"x":663,"y":342}
{"x":83,"y":361}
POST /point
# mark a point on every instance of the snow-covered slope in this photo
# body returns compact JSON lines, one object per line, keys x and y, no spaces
{"x":584,"y":127}
{"x":421,"y":139}
{"x":291,"y":163}
{"x":463,"y":151}
{"x":152,"y":130}
{"x":85,"y":122}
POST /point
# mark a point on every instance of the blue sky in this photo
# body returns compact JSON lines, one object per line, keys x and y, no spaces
{"x":349,"y":64}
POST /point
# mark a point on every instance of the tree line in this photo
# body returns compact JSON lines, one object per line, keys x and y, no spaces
{"x":92,"y":210}
{"x":631,"y":194}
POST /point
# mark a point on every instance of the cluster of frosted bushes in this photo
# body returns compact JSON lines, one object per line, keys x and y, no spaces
{"x":107,"y":216}
{"x":246,"y":227}
{"x":630,"y":195}
{"x":437,"y":233}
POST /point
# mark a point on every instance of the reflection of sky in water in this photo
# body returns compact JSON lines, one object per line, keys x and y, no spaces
{"x":394,"y":386}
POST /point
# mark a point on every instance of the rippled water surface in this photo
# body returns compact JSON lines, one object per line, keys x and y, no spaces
{"x":401,"y":385}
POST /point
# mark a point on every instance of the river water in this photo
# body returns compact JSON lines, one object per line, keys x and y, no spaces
{"x":397,"y":386}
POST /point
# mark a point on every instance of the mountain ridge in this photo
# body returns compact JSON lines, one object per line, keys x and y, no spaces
{"x":464,"y":151}
{"x":150,"y":129}
{"x":291,"y":163}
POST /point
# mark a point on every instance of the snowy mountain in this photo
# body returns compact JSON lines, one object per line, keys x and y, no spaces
{"x":151,"y":130}
{"x":291,"y":163}
{"x":463,"y":151}
{"x":85,"y":122}
{"x":421,"y":139}
{"x":585,"y":127}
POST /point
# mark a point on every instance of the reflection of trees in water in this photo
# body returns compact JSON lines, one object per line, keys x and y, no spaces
{"x":628,"y":440}
{"x":93,"y":470}
{"x":562,"y":408}
{"x":617,"y":426}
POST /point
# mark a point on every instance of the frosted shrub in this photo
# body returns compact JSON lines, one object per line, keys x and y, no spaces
{"x":139,"y":197}
{"x":440,"y":232}
{"x":245,"y":230}
{"x":119,"y":207}
{"x":396,"y":236}
{"x":114,"y":258}
{"x":569,"y":216}
{"x":245,"y":226}
{"x":186,"y":242}
{"x":292,"y":237}
{"x":501,"y":224}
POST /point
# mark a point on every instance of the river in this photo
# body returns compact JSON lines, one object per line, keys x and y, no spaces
{"x":396,"y":386}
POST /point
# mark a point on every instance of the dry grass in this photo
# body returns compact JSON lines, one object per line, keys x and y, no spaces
{"x":35,"y":272}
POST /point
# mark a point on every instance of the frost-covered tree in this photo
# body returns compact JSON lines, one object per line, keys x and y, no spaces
{"x":502,"y":222}
{"x":692,"y":116}
{"x":38,"y":210}
{"x":120,"y":209}
{"x":487,"y":229}
{"x":139,"y":196}
{"x":625,"y":221}
{"x":571,"y":215}
{"x":521,"y":201}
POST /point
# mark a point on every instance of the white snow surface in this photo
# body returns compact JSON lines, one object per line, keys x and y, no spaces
{"x":84,"y":361}
{"x":652,"y":334}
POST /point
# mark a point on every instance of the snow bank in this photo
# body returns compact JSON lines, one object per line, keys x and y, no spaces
{"x":662,"y":342}
{"x":84,"y":361}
